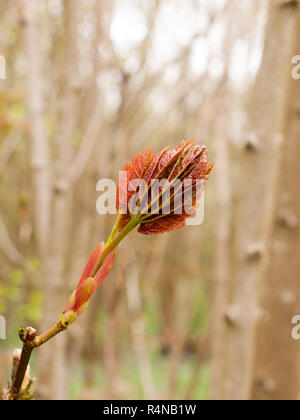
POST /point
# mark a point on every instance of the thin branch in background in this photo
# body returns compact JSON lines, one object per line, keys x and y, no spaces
{"x":8,"y":148}
{"x":95,"y":105}
{"x":12,"y":253}
{"x":180,"y":332}
{"x":146,"y":45}
{"x":134,"y":302}
{"x":8,"y":246}
{"x":38,"y":139}
{"x":88,"y":143}
{"x":202,"y":355}
{"x":68,"y":101}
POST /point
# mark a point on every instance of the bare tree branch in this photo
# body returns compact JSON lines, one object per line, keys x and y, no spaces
{"x":12,"y":253}
{"x":8,"y":148}
{"x":39,"y":147}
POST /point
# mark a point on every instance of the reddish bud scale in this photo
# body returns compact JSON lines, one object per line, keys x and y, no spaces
{"x":89,"y":281}
{"x":92,"y":264}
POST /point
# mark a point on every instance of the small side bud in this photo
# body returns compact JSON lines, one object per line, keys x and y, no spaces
{"x":31,"y":334}
{"x":68,"y":318}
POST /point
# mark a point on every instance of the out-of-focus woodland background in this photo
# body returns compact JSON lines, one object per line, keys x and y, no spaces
{"x":200,"y":313}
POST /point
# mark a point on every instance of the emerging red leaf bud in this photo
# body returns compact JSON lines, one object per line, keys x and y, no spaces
{"x":163,"y":190}
{"x":31,"y":334}
{"x":152,"y":197}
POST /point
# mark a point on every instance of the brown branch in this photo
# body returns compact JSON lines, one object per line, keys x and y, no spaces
{"x":21,"y":370}
{"x":42,"y":339}
{"x":30,"y":342}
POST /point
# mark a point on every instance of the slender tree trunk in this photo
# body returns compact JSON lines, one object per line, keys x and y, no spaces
{"x":51,"y":358}
{"x":256,"y":163}
{"x":222,"y":256}
{"x":276,"y":353}
{"x":39,"y":147}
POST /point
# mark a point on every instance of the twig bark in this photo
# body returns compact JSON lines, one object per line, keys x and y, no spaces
{"x":30,"y":343}
{"x":21,"y":370}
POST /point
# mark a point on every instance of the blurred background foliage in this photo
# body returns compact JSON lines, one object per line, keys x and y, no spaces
{"x":89,"y":84}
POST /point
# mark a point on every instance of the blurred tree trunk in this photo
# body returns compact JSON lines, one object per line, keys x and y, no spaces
{"x":276,"y":353}
{"x":39,"y":150}
{"x":52,"y":209}
{"x":54,"y":371}
{"x":223,"y":248}
{"x":256,"y":163}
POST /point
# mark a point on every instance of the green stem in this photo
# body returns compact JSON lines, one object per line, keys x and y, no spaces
{"x":113,"y":243}
{"x":114,"y":230}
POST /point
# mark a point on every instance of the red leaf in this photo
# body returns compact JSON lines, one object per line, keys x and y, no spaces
{"x":187,"y":162}
{"x":163,"y":225}
{"x":135,"y":170}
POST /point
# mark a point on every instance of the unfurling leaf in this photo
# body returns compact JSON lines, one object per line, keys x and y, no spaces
{"x":159,"y":212}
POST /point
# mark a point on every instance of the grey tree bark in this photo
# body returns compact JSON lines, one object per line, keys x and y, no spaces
{"x":276,"y":354}
{"x":256,"y":163}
